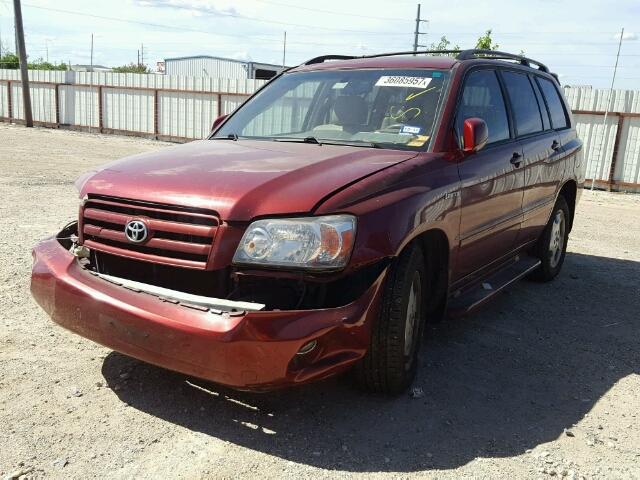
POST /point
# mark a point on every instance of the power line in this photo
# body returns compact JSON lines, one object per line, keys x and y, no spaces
{"x":186,"y":29}
{"x":341,"y":14}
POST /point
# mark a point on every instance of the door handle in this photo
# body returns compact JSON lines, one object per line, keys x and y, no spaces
{"x":555,"y":145}
{"x":516,"y":159}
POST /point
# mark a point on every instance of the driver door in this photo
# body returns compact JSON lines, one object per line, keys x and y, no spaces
{"x":491,"y":179}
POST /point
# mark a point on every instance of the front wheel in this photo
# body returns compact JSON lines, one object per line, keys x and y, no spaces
{"x":552,"y":245}
{"x":390,"y":364}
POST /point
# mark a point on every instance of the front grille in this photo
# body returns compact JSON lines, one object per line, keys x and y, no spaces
{"x":178,"y":236}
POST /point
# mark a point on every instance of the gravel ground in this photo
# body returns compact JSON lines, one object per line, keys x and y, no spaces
{"x":543,"y":382}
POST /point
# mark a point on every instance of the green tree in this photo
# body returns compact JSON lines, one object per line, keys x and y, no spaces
{"x":485,"y":42}
{"x":132,"y":68}
{"x":443,"y":44}
{"x":40,"y":64}
{"x":9,"y":60}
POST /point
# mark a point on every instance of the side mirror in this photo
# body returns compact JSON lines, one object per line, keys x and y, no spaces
{"x":475,"y":135}
{"x":218,"y":121}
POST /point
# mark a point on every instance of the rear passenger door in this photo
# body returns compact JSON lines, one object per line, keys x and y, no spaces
{"x":541,"y":148}
{"x":491,"y":185}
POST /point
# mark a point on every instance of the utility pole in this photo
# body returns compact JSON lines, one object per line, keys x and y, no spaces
{"x":606,"y":114}
{"x":24,"y":72}
{"x":142,"y":54}
{"x":138,"y":58}
{"x":284,"y":50}
{"x":417,"y":32}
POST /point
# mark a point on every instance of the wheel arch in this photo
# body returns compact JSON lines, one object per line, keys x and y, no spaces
{"x":570,"y":191}
{"x":436,"y":250}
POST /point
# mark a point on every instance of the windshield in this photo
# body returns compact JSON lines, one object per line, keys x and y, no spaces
{"x":378,"y":108}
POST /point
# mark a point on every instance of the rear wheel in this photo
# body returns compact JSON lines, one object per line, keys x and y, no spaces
{"x":392,"y":359}
{"x":552,"y":245}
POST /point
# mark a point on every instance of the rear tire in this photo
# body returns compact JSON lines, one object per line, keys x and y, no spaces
{"x":390,"y":364}
{"x":552,"y":244}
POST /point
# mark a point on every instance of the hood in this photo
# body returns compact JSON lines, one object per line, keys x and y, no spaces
{"x":240,"y":179}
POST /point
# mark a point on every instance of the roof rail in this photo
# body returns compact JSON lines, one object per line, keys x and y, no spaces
{"x":324,"y":58}
{"x":469,"y":54}
{"x":496,"y":55}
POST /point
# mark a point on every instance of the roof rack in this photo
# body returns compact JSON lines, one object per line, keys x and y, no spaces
{"x":470,"y":54}
{"x":496,"y":55}
{"x":324,"y":58}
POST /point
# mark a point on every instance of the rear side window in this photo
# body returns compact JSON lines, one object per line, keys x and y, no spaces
{"x":482,"y":98}
{"x":556,"y":109}
{"x":524,"y":104}
{"x":546,"y":122}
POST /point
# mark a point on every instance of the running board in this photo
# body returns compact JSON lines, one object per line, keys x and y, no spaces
{"x":182,"y":297}
{"x":469,"y":299}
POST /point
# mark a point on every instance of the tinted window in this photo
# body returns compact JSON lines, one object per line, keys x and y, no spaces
{"x":546,"y":122}
{"x":523,"y":103}
{"x":558,"y":117}
{"x":482,"y":98}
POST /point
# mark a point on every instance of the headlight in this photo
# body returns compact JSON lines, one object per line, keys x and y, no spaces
{"x":313,"y":243}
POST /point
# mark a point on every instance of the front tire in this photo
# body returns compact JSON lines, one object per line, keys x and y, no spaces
{"x":552,"y":245}
{"x":390,"y":364}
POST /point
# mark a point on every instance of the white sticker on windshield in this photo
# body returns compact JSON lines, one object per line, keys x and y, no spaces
{"x":339,"y":85}
{"x":411,"y":82}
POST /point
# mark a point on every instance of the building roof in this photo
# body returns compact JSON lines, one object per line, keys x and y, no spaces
{"x":211,"y":57}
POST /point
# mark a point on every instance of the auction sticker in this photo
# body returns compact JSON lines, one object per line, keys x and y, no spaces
{"x":401,"y":81}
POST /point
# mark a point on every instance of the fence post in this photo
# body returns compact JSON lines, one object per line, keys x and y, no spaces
{"x":100,"y":108}
{"x":156,"y":129}
{"x":614,"y":155}
{"x":57,"y":104}
{"x":9,"y":102}
{"x":219,"y":104}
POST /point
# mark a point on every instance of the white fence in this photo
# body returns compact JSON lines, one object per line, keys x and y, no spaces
{"x":160,"y":106}
{"x":183,"y":108}
{"x":612,"y":151}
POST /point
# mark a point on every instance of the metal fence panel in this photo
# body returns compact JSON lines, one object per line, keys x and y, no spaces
{"x":186,"y":115}
{"x":597,"y":99}
{"x":79,"y":106}
{"x":628,"y":159}
{"x":4,"y":100}
{"x":126,"y":109}
{"x":596,"y":150}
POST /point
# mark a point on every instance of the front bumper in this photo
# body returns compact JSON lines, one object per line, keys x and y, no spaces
{"x":250,"y":350}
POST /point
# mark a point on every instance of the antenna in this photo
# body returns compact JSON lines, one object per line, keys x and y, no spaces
{"x":606,"y":113}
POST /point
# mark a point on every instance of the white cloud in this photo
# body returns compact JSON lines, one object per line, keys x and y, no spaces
{"x":626,"y":36}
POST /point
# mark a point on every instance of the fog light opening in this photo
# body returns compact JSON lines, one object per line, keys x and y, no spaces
{"x":307,"y":347}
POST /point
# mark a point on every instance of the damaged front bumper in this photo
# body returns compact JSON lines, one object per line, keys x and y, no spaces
{"x":257,"y":350}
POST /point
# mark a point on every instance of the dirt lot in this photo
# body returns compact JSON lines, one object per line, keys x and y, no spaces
{"x":544,"y":381}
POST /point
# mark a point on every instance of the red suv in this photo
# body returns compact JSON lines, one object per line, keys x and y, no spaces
{"x":346,"y":203}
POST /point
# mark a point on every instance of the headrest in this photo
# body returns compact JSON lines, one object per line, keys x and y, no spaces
{"x":350,"y":110}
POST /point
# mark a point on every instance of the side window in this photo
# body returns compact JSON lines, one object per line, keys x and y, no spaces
{"x":482,"y":98}
{"x":546,"y":121}
{"x":523,"y":103}
{"x":556,"y":109}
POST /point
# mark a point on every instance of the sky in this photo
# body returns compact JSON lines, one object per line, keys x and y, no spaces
{"x":578,"y":39}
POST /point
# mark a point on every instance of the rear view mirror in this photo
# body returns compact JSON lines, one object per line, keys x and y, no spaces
{"x":218,"y":121}
{"x":475,"y":134}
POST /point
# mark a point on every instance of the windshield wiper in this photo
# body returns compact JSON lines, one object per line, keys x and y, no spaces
{"x":355,"y":144}
{"x":231,"y":136}
{"x":313,"y":140}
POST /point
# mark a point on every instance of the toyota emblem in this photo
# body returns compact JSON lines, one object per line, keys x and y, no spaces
{"x":136,"y":231}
